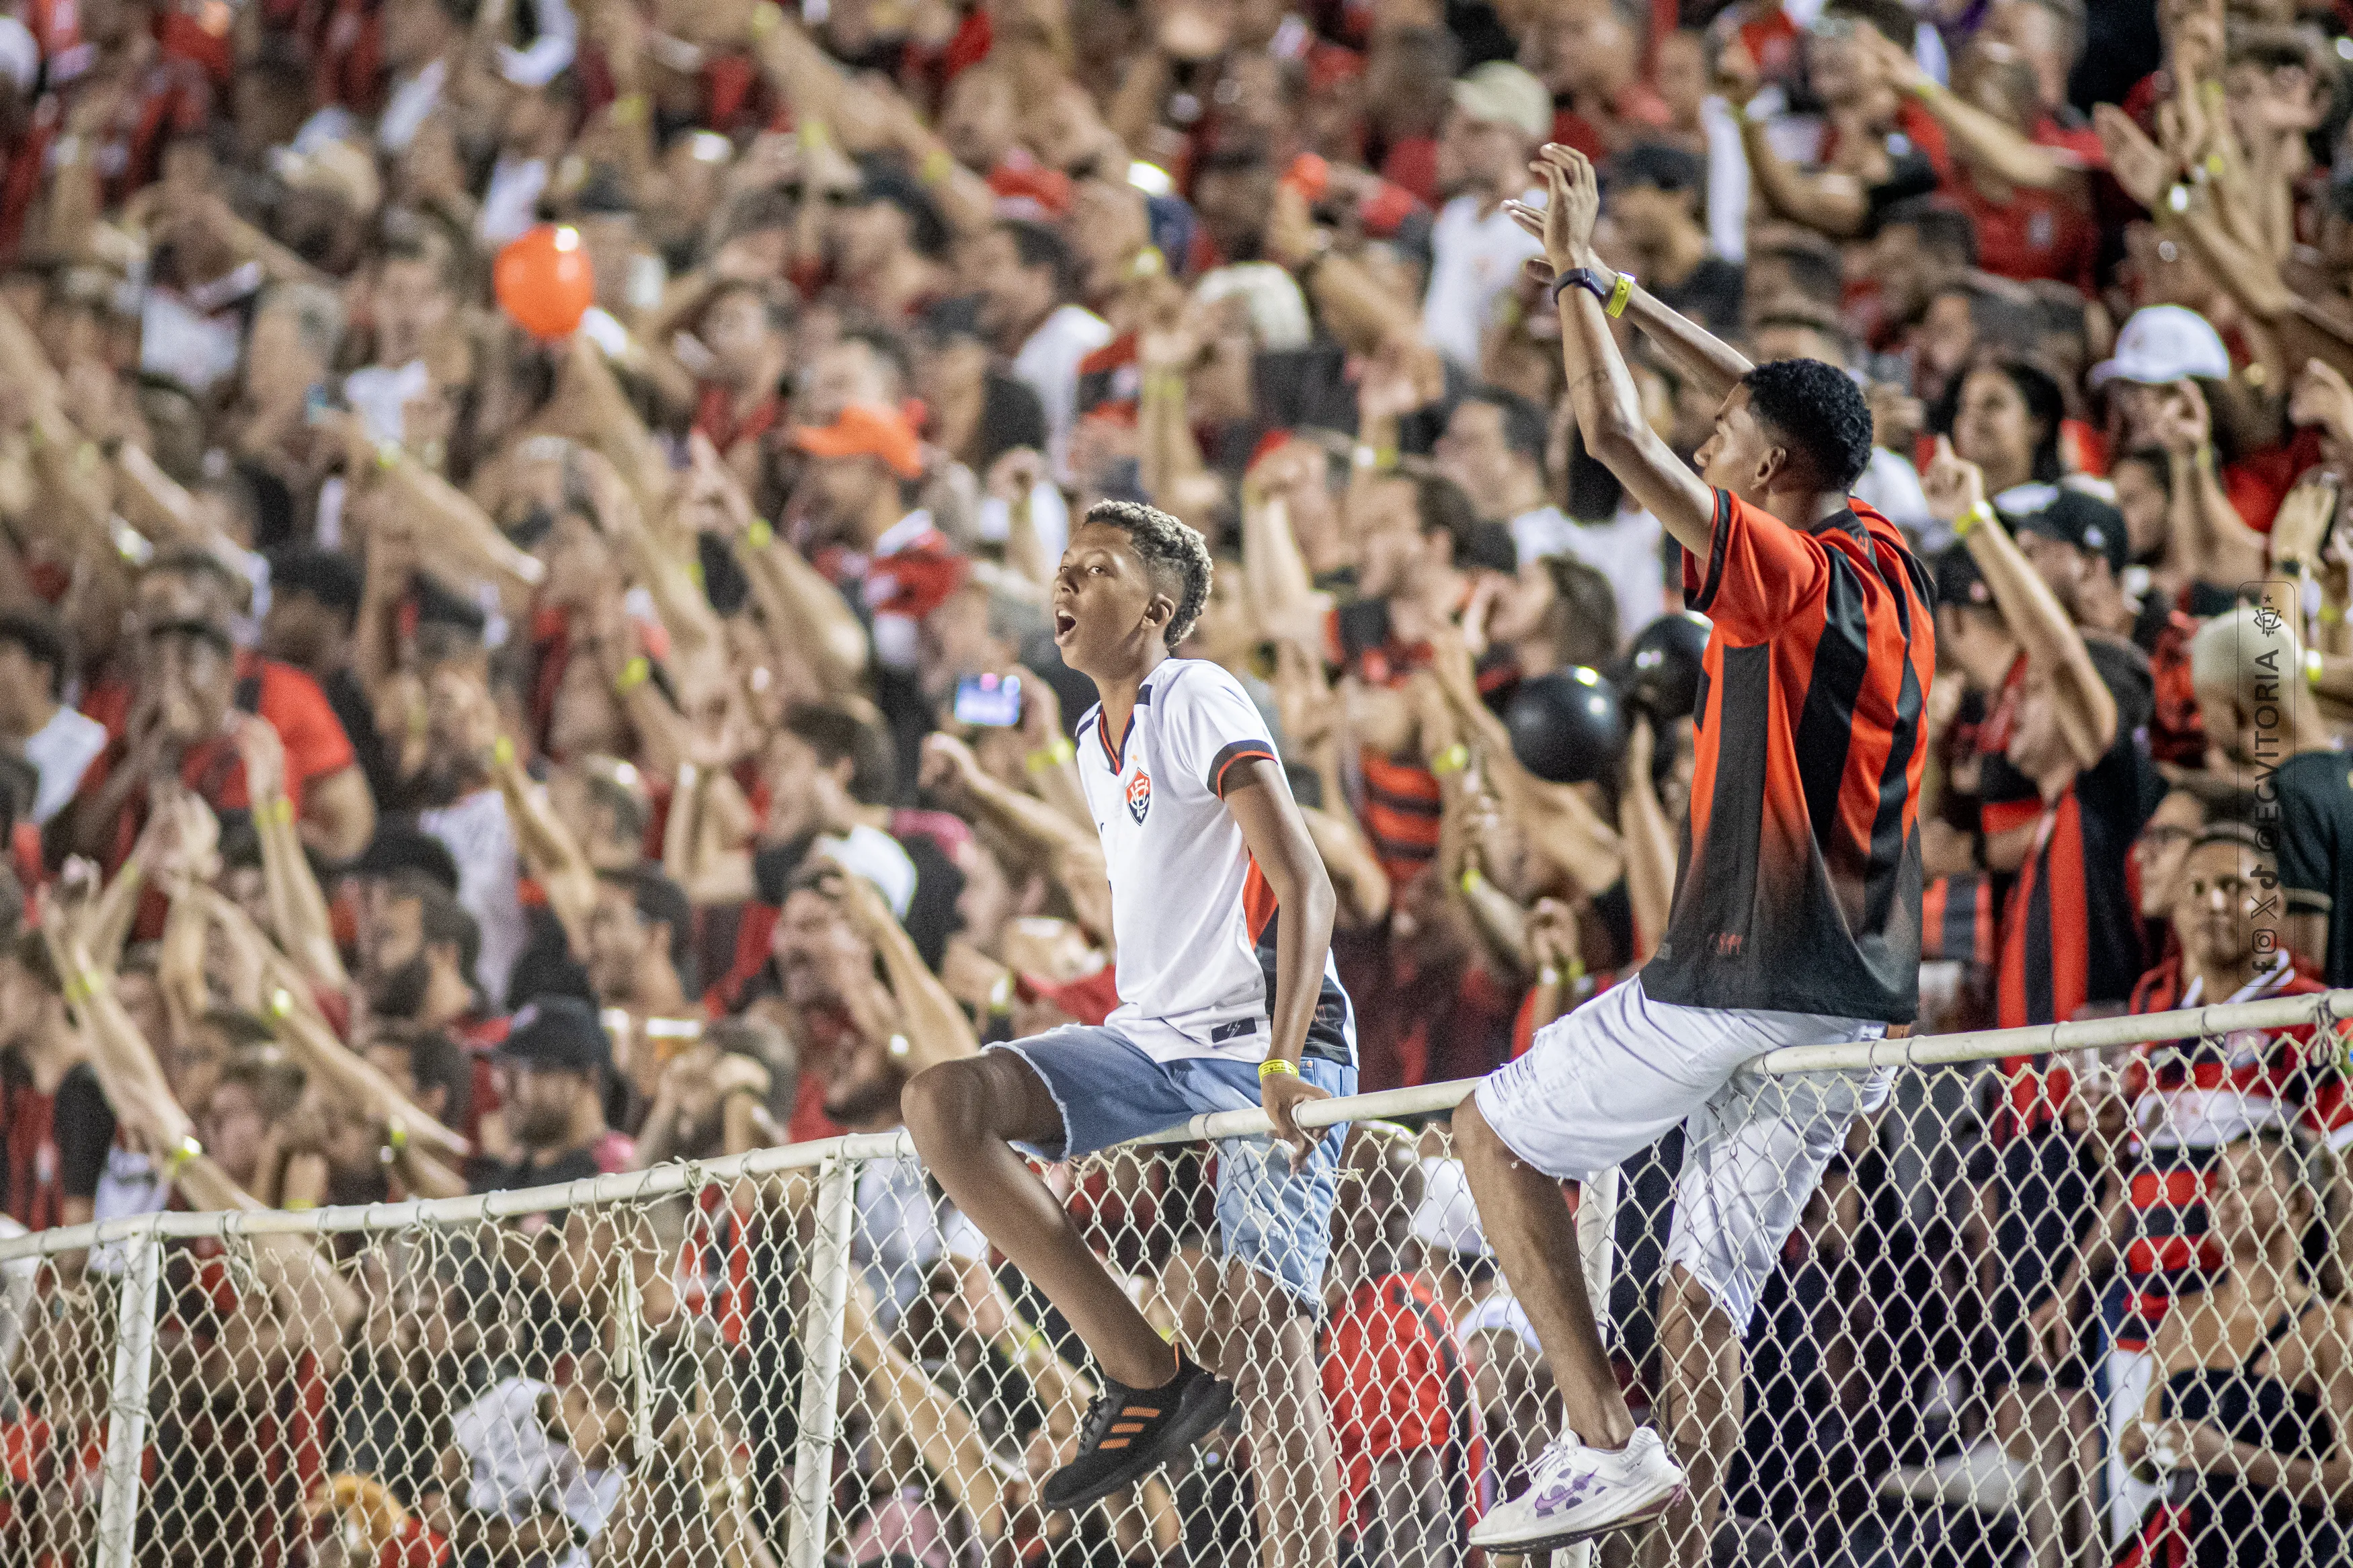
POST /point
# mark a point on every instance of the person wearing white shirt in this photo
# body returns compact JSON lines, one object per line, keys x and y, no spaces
{"x":1025,"y":274}
{"x":1493,"y":448}
{"x":60,"y":743}
{"x":1501,"y":114}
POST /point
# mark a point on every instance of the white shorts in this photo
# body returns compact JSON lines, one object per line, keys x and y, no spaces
{"x":1612,"y":1078}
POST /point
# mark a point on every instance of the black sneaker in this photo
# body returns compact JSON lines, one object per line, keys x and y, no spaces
{"x":1129,"y":1431}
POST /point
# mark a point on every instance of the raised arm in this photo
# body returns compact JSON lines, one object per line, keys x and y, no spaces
{"x":297,"y":908}
{"x":1834,"y":203}
{"x":937,"y":1029}
{"x":1283,"y":597}
{"x":1983,"y":139}
{"x":548,"y":848}
{"x":2087,"y":711}
{"x":1609,"y":407}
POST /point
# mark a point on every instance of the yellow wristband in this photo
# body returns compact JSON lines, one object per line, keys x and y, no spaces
{"x":761,"y":534}
{"x":502,"y":751}
{"x":1053,"y":756}
{"x":938,"y":164}
{"x":814,"y":134}
{"x":634,"y":674}
{"x":1618,"y":294}
{"x":1453,"y":759}
{"x":766,"y":19}
{"x":1976,"y":515}
{"x":630,"y":110}
{"x":1277,"y":1067}
{"x":279,"y":809}
{"x":1472,"y":879}
{"x":2312,"y":666}
{"x":186,"y":1150}
{"x":396,"y":1135}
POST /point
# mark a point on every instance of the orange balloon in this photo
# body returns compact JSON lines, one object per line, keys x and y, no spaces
{"x":544,"y":282}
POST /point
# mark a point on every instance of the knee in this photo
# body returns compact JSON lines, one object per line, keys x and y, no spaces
{"x":1262,"y":1312}
{"x":1691,"y":1312}
{"x":1474,"y":1140}
{"x":946,"y":1108}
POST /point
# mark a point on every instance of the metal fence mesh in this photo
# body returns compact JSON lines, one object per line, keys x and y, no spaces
{"x":57,"y":1324}
{"x":630,"y":1382}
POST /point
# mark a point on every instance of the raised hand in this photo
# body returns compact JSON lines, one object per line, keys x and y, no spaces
{"x":2142,"y":167}
{"x":2322,"y":396}
{"x":2303,"y":519}
{"x":1953,"y":485}
{"x":1572,"y":204}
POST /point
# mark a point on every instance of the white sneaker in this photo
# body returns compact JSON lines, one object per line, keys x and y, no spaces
{"x":1577,"y":1492}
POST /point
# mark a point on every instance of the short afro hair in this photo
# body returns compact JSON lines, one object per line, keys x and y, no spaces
{"x":1176,"y":554}
{"x":1816,"y":410}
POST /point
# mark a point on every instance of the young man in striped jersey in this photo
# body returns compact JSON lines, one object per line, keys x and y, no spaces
{"x":1228,"y":1001}
{"x":1796,"y":918}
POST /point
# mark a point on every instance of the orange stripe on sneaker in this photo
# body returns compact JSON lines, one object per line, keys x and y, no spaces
{"x":1114,"y":1443}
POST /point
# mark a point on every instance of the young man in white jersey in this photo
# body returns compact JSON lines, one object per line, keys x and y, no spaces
{"x":1227,"y":1001}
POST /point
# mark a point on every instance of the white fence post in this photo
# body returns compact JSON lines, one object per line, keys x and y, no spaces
{"x":821,"y":1341}
{"x":126,"y":1423}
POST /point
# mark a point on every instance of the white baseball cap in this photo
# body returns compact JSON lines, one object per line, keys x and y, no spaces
{"x":2164,"y":343}
{"x":20,"y":56}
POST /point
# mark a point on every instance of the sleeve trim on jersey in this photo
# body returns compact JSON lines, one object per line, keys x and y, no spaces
{"x":1720,"y":534}
{"x":1230,"y":754}
{"x":2309,"y":901}
{"x":2340,"y":1138}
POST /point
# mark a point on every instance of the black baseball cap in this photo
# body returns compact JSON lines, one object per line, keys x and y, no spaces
{"x":400,"y":846}
{"x":1658,"y":164}
{"x":558,"y":1033}
{"x":2071,"y":517}
{"x":1958,"y":582}
{"x":1489,"y":545}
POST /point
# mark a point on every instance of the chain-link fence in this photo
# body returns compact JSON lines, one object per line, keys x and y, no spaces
{"x":806,"y":1356}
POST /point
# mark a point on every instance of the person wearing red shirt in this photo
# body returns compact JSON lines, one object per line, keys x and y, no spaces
{"x":2021,"y":172}
{"x":175,"y":723}
{"x":740,"y":401}
{"x":1404,"y":1406}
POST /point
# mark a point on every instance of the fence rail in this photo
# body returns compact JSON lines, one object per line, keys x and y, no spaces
{"x":1423,"y":1100}
{"x":801,"y":1357}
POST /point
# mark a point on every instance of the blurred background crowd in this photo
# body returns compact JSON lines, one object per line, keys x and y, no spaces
{"x":526,"y":538}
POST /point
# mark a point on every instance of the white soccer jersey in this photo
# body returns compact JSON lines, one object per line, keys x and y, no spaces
{"x":1194,"y":920}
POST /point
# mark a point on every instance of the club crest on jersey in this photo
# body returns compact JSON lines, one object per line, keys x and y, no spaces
{"x":1139,"y":796}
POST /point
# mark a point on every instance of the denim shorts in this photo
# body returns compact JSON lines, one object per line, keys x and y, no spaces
{"x":1273,"y":1218}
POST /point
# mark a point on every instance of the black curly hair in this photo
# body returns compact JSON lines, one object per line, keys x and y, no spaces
{"x":1817,"y":411}
{"x":1176,"y":555}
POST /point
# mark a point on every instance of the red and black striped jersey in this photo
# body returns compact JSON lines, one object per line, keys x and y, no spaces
{"x":2071,"y":929}
{"x":1799,"y":885}
{"x":2190,"y":1098}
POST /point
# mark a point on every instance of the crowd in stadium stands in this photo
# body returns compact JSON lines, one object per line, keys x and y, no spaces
{"x":441,"y":755}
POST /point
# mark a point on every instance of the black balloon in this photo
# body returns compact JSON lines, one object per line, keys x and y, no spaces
{"x":1566,"y":727}
{"x":1662,"y":671}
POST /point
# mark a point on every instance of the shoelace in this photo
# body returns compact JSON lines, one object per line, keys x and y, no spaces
{"x":1102,"y":1414}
